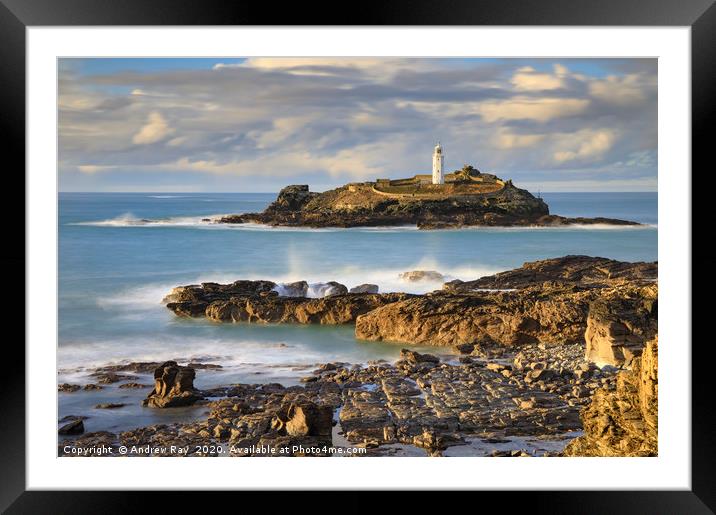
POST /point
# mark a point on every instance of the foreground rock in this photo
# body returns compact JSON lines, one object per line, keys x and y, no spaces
{"x":624,"y":421}
{"x":173,"y":386}
{"x":420,"y":402}
{"x":472,"y":199}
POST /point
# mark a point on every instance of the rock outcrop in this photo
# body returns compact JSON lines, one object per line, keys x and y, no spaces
{"x":617,"y":329}
{"x":581,"y":270}
{"x":259,"y":302}
{"x":612,"y":304}
{"x":173,"y":386}
{"x":623,"y":421}
{"x":508,"y":318}
{"x":427,"y":206}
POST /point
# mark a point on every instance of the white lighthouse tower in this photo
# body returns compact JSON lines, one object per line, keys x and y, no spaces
{"x":438,"y":155}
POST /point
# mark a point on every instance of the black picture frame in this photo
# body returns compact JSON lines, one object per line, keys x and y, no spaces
{"x":17,"y":15}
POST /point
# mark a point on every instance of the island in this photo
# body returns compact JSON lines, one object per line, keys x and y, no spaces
{"x":465,"y":197}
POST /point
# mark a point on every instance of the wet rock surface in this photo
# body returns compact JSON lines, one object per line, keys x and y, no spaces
{"x":419,"y":402}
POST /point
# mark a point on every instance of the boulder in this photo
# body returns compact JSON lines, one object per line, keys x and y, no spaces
{"x":75,"y":427}
{"x":173,"y":386}
{"x":328,"y":289}
{"x":365,"y":288}
{"x":304,"y":418}
{"x":416,"y":357}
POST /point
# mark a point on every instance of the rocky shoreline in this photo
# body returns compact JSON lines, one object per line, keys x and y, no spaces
{"x":361,"y":205}
{"x":566,"y":357}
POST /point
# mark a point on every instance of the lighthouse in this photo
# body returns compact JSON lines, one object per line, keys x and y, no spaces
{"x":438,"y":155}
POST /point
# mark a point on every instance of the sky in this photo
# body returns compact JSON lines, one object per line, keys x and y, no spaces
{"x":257,"y":124}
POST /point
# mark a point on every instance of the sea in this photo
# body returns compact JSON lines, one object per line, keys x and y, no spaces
{"x":121,"y":253}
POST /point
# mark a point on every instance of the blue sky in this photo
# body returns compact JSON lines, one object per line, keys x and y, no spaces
{"x":257,"y":124}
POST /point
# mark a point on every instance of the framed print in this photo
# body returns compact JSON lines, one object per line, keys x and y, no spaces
{"x":429,"y":244}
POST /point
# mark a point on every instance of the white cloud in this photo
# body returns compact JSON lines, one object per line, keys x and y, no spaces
{"x":504,"y":139}
{"x":529,"y":79}
{"x":527,"y":108}
{"x":623,"y":91}
{"x":283,"y":128}
{"x":586,"y":144}
{"x":156,"y":129}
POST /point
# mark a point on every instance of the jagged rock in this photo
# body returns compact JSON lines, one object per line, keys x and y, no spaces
{"x":617,"y":329}
{"x":173,"y":386}
{"x":304,"y":419}
{"x":365,"y":288}
{"x":581,"y":270}
{"x":507,"y":318}
{"x":422,"y":275}
{"x":624,"y":421}
{"x":416,"y":357}
{"x":68,"y":388}
{"x":92,"y":386}
{"x":547,"y":313}
{"x":75,"y":427}
{"x":338,"y":308}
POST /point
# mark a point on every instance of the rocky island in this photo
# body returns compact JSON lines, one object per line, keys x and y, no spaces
{"x":465,"y":198}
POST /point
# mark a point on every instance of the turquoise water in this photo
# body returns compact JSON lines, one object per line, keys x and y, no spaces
{"x":120,"y":253}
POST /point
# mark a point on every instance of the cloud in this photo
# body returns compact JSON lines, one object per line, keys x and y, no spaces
{"x":528,"y":79}
{"x":509,"y":140}
{"x":587,"y":145}
{"x":622,"y":91}
{"x":156,"y":129}
{"x":529,"y":108}
{"x":265,"y":122}
{"x":93,"y":168}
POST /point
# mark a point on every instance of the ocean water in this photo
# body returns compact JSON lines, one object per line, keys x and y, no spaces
{"x":119,"y":254}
